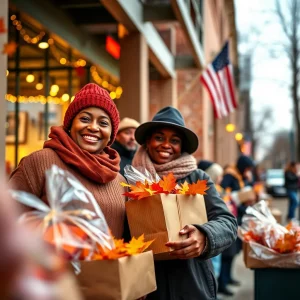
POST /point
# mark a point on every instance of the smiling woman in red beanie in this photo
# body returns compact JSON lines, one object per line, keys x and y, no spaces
{"x":81,"y":146}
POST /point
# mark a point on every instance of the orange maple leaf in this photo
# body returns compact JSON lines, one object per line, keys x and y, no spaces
{"x":286,"y":244}
{"x":140,"y":191}
{"x":200,"y":187}
{"x":168,"y":183}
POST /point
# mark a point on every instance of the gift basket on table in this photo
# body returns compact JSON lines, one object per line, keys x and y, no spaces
{"x":74,"y":225}
{"x":272,"y":251}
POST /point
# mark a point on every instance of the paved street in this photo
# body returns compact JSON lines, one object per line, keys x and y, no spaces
{"x":246,"y":276}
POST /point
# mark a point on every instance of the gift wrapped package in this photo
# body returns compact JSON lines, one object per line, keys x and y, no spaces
{"x":267,"y":244}
{"x":165,"y":211}
{"x":74,"y":225}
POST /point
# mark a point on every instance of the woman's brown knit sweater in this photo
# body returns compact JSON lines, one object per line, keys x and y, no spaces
{"x":30,"y":177}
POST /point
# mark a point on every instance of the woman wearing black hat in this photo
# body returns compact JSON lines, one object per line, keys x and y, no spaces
{"x":166,"y":147}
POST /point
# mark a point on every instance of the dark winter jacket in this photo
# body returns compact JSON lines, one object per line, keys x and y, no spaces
{"x":291,"y":180}
{"x":193,"y":279}
{"x":126,"y":155}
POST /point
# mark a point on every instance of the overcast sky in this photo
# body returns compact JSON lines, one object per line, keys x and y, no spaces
{"x":270,"y":75}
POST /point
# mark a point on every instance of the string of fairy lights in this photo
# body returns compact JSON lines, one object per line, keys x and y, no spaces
{"x":42,"y":42}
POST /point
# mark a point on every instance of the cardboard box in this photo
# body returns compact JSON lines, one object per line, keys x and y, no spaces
{"x":251,"y":262}
{"x":161,"y":217}
{"x":126,"y":278}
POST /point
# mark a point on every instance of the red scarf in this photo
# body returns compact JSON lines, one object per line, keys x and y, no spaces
{"x":101,"y":168}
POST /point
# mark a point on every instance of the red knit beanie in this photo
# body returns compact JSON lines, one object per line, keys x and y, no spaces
{"x":93,"y":95}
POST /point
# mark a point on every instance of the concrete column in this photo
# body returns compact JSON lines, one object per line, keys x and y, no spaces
{"x":134,"y":78}
{"x":3,"y":85}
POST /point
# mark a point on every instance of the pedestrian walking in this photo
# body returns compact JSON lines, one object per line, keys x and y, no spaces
{"x":291,"y":184}
{"x":125,"y":143}
{"x":166,"y":146}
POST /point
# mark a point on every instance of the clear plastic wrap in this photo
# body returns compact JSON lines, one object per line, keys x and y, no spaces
{"x":270,"y":242}
{"x":141,"y":174}
{"x":72,"y":222}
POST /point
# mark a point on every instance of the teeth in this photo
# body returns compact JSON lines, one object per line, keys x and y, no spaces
{"x":91,"y":138}
{"x":164,"y":154}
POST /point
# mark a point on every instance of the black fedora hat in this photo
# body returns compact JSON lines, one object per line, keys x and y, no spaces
{"x":170,"y":117}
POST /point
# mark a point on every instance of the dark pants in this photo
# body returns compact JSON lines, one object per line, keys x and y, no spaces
{"x":226,"y":266}
{"x":293,"y":203}
{"x":225,"y":274}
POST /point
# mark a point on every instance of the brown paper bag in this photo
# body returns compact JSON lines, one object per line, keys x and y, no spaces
{"x":161,"y":217}
{"x":251,"y":262}
{"x":246,"y":195}
{"x":126,"y":278}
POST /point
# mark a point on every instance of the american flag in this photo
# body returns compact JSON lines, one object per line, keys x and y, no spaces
{"x":219,"y":81}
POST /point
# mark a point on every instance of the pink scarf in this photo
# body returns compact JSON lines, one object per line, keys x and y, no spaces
{"x":181,"y":167}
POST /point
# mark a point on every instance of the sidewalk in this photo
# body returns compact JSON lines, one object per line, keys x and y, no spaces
{"x":244,"y":275}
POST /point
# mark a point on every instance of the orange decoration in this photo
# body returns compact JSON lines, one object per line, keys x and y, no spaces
{"x":135,"y":246}
{"x":2,"y":26}
{"x":166,"y":185}
{"x":199,"y":187}
{"x":281,"y":243}
{"x":73,"y":232}
{"x":84,"y":252}
{"x":9,"y":48}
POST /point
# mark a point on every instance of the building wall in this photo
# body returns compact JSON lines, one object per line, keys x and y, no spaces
{"x":216,"y":32}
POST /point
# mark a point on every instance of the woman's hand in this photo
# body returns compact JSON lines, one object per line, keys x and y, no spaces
{"x":191,"y":247}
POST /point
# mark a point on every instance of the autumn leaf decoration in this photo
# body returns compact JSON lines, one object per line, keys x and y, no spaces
{"x":167,"y":185}
{"x":135,"y":246}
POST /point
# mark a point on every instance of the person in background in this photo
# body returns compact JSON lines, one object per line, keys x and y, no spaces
{"x":125,"y":143}
{"x":235,"y":178}
{"x":215,"y":172}
{"x":167,"y":146}
{"x":291,"y":184}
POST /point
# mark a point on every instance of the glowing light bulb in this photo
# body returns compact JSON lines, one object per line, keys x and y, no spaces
{"x":230,"y":127}
{"x":43,"y":45}
{"x":65,"y":97}
{"x":39,"y":86}
{"x":30,"y":78}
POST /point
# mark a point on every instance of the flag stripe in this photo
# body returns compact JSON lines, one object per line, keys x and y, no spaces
{"x":214,"y":78}
{"x":215,"y":105}
{"x":213,"y":98}
{"x":219,"y":81}
{"x":230,"y":77}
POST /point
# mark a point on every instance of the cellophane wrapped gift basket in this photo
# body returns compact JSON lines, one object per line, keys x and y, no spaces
{"x":74,"y":225}
{"x":268,"y":244}
{"x":160,"y":208}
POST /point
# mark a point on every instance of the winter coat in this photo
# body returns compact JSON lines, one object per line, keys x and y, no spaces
{"x":126,"y":155}
{"x":193,"y":279}
{"x":290,"y":180}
